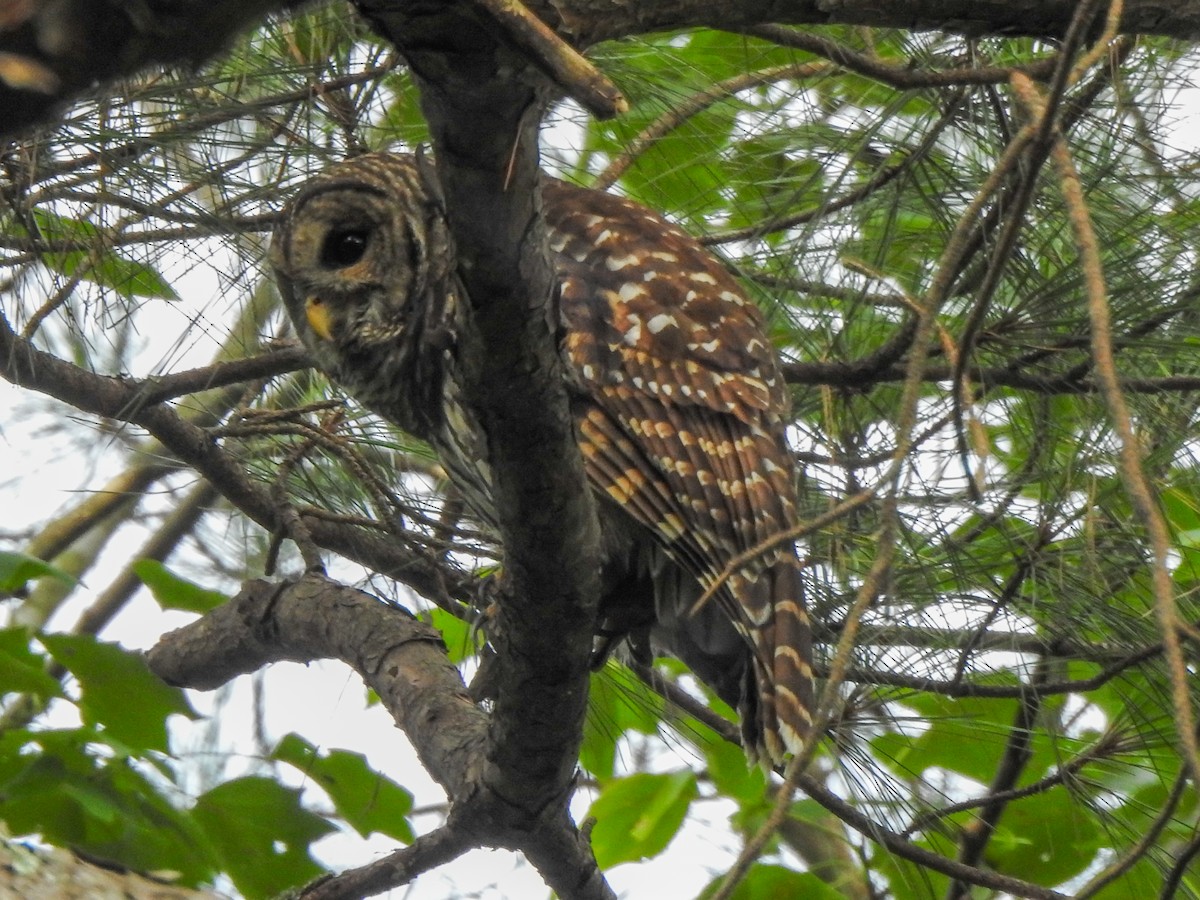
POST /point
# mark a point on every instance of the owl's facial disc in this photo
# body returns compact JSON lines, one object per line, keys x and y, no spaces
{"x":343,"y":248}
{"x":351,"y":264}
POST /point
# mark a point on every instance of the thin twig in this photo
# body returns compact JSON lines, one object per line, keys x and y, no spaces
{"x":905,"y":849}
{"x":1108,"y":745}
{"x":1183,"y":865}
{"x":1017,"y":753}
{"x":902,"y":77}
{"x":874,"y":183}
{"x":1119,"y":867}
{"x":440,"y":846}
{"x":695,"y":104}
{"x":1130,"y":451}
{"x":753,"y":848}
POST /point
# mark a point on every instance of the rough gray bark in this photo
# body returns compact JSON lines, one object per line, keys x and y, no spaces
{"x":405,"y":663}
{"x":37,"y":873}
{"x":590,"y":21}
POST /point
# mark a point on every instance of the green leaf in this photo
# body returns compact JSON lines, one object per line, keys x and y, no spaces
{"x":71,"y":797}
{"x":617,"y":702}
{"x":173,"y":592}
{"x":106,"y":268}
{"x":22,"y":670}
{"x":1183,"y":512}
{"x":18,"y":569}
{"x":1144,"y":879}
{"x":119,"y":691}
{"x":769,"y":882}
{"x":910,"y":880}
{"x":261,"y":833}
{"x":456,"y":634}
{"x":1047,"y":838}
{"x":636,"y":817}
{"x":967,"y":735}
{"x":367,"y":800}
{"x":34,"y":781}
{"x":732,"y":776}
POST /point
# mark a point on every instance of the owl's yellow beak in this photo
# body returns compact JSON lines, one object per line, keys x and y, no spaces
{"x":316,"y":311}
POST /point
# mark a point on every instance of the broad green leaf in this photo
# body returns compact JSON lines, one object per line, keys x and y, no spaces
{"x":732,"y":775}
{"x":106,"y":268}
{"x":966,"y":735}
{"x":367,"y":800}
{"x":1047,"y":838}
{"x":617,"y":702}
{"x":458,"y":635}
{"x":173,"y":592}
{"x":771,"y":882}
{"x":909,"y":881}
{"x":118,"y":691}
{"x":1144,"y":880}
{"x":18,"y":569}
{"x":36,"y":774}
{"x":70,"y":796}
{"x":261,"y":833}
{"x":22,"y":670}
{"x":1182,"y":509}
{"x":636,"y":817}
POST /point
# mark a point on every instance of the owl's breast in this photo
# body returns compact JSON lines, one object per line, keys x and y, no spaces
{"x":462,"y":447}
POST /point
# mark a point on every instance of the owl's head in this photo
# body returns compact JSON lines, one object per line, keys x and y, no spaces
{"x":364,"y":264}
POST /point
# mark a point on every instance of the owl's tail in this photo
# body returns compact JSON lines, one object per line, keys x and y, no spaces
{"x":782,"y":668}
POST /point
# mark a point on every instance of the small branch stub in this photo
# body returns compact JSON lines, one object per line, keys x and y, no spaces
{"x":557,"y":59}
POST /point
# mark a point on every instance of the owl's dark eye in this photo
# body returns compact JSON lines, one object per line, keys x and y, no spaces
{"x":344,"y":247}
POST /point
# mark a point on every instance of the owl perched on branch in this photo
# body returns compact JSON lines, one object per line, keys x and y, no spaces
{"x":678,"y":402}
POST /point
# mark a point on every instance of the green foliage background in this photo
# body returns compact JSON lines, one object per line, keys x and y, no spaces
{"x":1007,"y":685}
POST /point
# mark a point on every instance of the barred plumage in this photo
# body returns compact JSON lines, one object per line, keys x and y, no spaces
{"x":678,"y":399}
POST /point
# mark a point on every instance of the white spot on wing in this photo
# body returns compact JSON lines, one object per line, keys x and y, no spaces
{"x":659,"y":322}
{"x":616,"y":263}
{"x":633,"y":333}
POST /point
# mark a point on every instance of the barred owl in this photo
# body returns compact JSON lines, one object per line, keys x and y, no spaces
{"x":677,"y":398}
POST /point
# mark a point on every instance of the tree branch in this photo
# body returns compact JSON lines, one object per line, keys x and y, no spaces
{"x":55,"y":52}
{"x":24,"y":365}
{"x":591,"y":21}
{"x":404,"y":661}
{"x":483,"y":102}
{"x":440,"y":846}
{"x":62,"y":49}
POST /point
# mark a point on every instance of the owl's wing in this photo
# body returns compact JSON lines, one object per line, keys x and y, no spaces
{"x":685,"y":428}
